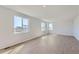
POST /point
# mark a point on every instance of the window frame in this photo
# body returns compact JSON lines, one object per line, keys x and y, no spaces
{"x":22,"y":25}
{"x":49,"y":27}
{"x":43,"y":27}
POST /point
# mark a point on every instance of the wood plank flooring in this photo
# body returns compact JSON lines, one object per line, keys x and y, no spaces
{"x":49,"y":44}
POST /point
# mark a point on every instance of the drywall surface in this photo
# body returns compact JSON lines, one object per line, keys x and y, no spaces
{"x":76,"y":27}
{"x":63,"y":27}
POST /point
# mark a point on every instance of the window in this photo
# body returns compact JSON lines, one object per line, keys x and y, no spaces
{"x":50,"y":26}
{"x":20,"y":24}
{"x":25,"y":24}
{"x":43,"y":26}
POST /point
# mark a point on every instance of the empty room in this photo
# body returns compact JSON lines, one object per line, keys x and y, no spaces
{"x":39,"y":29}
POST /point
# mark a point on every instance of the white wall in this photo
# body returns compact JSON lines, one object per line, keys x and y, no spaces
{"x":76,"y":27}
{"x":63,"y":27}
{"x":7,"y":36}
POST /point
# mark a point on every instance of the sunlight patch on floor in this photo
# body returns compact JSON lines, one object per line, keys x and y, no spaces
{"x":14,"y":50}
{"x":17,"y":49}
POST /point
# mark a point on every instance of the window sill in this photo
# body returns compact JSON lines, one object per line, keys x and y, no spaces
{"x":20,"y":32}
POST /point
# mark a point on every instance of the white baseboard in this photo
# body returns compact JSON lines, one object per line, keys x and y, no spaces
{"x":64,"y":34}
{"x":76,"y":37}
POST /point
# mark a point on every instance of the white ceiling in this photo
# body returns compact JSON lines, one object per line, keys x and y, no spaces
{"x":64,"y":12}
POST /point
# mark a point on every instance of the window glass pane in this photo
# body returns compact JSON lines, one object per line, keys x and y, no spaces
{"x":17,"y":21}
{"x":43,"y":26}
{"x":25,"y":21}
{"x":17,"y":24}
{"x":25,"y":24}
{"x":50,"y":26}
